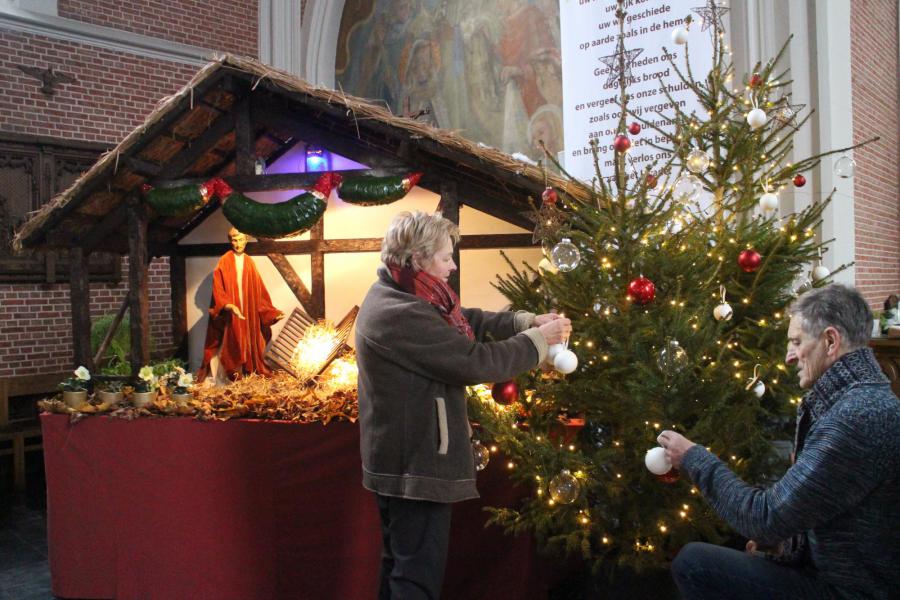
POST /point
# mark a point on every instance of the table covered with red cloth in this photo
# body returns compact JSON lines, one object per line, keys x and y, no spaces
{"x":175,"y":508}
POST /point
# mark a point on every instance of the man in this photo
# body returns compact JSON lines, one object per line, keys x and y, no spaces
{"x":840,"y":500}
{"x":240,"y":317}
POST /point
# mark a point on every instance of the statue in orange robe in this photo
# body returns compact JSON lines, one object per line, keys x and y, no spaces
{"x":240,"y":315}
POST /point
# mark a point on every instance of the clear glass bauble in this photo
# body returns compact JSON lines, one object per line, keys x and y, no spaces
{"x":603,"y":309}
{"x":697,"y":161}
{"x":845,"y":167}
{"x":564,"y":488}
{"x":687,"y":188}
{"x":481,"y":454}
{"x":672,"y":358}
{"x":565,"y":255}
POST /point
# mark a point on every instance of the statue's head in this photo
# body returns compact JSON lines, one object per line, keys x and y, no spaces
{"x":238,"y":240}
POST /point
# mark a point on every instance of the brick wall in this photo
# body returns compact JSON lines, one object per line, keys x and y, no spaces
{"x":36,"y":321}
{"x":114,"y":94}
{"x":226,"y":25}
{"x":877,"y":182}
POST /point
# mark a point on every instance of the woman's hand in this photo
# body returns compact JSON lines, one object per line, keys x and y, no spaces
{"x":556,"y":330}
{"x":676,"y":446}
{"x":542,"y":319}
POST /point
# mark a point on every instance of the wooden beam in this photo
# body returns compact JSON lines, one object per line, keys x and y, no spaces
{"x":291,"y":278}
{"x":244,"y":147}
{"x":264,"y":247}
{"x":288,"y":181}
{"x":143,"y":167}
{"x":198,"y":218}
{"x":178,"y":290}
{"x":111,"y":332}
{"x":138,"y":284}
{"x":449,"y":207}
{"x":316,"y":308}
{"x":80,"y":296}
{"x":112,"y":222}
{"x":204,"y":142}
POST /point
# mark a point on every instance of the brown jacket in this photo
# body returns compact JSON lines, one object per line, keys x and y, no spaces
{"x":413,"y":366}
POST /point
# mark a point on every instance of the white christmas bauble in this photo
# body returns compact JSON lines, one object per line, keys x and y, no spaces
{"x":680,"y":36}
{"x":759,"y":389}
{"x":553,"y":350}
{"x":723,"y":312}
{"x":697,"y":161}
{"x":565,"y":362}
{"x":756,"y":118}
{"x":546,"y":265}
{"x":820,"y":273}
{"x":768,"y":202}
{"x":565,"y":255}
{"x":656,"y":461}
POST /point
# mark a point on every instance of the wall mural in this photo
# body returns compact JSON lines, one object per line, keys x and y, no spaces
{"x":487,"y":68}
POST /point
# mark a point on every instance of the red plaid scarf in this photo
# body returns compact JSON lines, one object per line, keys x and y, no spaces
{"x":435,"y":292}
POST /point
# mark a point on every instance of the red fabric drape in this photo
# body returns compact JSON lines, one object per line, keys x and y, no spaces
{"x":177,"y":508}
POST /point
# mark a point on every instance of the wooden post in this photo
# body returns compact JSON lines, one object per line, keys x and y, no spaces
{"x":449,"y":207}
{"x":178,"y":287}
{"x":80,"y":296}
{"x":138,"y":291}
{"x":316,"y":306}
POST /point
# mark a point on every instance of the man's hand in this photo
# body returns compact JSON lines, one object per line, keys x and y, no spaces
{"x":235,"y":311}
{"x":547,"y":318}
{"x":676,"y":445}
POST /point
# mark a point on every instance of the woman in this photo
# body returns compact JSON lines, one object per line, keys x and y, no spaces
{"x":417,"y":349}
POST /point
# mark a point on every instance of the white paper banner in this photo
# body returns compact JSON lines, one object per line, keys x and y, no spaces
{"x":589,"y":33}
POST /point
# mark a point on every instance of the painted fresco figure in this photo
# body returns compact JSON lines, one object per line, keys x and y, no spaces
{"x":241,"y":316}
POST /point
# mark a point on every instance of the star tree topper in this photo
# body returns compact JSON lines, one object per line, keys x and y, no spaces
{"x":711,"y":14}
{"x":548,"y":220}
{"x":612,"y":61}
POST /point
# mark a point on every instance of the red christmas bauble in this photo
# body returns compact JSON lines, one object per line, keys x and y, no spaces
{"x":146,"y":188}
{"x":634,"y":128}
{"x":799,"y":180}
{"x":641,"y":291}
{"x":505,"y":392}
{"x":749,"y":260}
{"x":755,"y":80}
{"x":651,"y":181}
{"x":671,"y":476}
{"x":549,"y":196}
{"x":621,"y":143}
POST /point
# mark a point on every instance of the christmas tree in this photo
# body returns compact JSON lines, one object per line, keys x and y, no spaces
{"x":677,"y":279}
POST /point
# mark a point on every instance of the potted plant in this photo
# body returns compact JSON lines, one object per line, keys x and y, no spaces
{"x":75,"y":389}
{"x":109,"y":391}
{"x":146,"y":387}
{"x":181,"y":383}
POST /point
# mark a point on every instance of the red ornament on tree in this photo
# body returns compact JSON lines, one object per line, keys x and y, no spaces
{"x":799,"y":180}
{"x":749,"y":260}
{"x":146,"y":188}
{"x":641,"y":291}
{"x":755,"y":80}
{"x":671,"y":476}
{"x":651,"y":181}
{"x":505,"y":392}
{"x":634,"y":128}
{"x":549,"y":196}
{"x":621,"y":143}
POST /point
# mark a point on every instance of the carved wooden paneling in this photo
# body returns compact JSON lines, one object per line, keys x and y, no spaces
{"x":31,"y":173}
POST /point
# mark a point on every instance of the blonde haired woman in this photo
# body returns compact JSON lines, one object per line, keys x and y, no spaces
{"x":417,"y":348}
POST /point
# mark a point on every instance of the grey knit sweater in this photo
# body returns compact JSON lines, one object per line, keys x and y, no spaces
{"x":843,"y":491}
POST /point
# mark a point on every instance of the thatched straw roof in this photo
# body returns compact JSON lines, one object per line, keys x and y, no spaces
{"x":194,"y":134}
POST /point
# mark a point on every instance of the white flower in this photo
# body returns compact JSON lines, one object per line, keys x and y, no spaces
{"x":146,"y":373}
{"x":83,"y":374}
{"x":185,"y":380}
